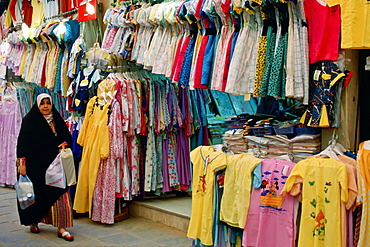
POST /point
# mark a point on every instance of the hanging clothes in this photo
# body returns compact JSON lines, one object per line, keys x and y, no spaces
{"x":325,"y":184}
{"x":363,"y":195}
{"x":206,"y":162}
{"x":10,"y":123}
{"x":324,"y":31}
{"x":104,"y":194}
{"x":243,"y":170}
{"x":269,"y":209}
{"x":94,"y":138}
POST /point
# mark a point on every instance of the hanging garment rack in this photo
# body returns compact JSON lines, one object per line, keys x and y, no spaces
{"x":68,"y":13}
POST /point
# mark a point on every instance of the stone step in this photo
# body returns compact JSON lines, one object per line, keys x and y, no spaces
{"x":174,"y":212}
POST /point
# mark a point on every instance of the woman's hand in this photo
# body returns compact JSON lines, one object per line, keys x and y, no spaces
{"x":62,"y":146}
{"x":22,"y":170}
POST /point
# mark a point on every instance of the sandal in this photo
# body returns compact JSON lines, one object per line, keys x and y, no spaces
{"x":67,"y":236}
{"x":34,"y":228}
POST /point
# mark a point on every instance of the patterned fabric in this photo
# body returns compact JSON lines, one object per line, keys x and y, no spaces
{"x":260,"y":67}
{"x":104,"y":193}
{"x":60,"y":214}
{"x":10,"y":122}
{"x":323,"y":82}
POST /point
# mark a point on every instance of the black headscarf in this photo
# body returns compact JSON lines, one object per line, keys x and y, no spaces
{"x":39,"y":145}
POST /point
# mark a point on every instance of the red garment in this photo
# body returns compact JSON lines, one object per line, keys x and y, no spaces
{"x":67,"y":5}
{"x":199,"y":63}
{"x":27,"y":12}
{"x":200,"y":58}
{"x":227,"y":63}
{"x":176,"y":60}
{"x":180,"y":58}
{"x":323,"y":30}
{"x":83,"y":15}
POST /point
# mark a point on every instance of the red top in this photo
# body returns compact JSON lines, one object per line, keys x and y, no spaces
{"x":83,"y":15}
{"x":323,"y":30}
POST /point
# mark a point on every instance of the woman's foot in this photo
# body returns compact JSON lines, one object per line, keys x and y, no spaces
{"x":62,"y":233}
{"x":34,"y":228}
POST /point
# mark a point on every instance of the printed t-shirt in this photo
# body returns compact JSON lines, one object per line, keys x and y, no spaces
{"x":324,"y":186}
{"x":201,"y":221}
{"x":269,"y":209}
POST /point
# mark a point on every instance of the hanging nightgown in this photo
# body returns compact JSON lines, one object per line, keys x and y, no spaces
{"x":94,"y":138}
{"x":10,"y":123}
{"x":242,"y":172}
{"x":243,"y":63}
{"x":104,"y":194}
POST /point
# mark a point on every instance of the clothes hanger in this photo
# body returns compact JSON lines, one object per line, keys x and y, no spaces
{"x":329,"y":152}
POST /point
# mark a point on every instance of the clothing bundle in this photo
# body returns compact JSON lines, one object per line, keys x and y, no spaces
{"x":224,"y":46}
{"x":239,"y":199}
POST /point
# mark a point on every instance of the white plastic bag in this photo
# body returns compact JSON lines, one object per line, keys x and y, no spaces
{"x":55,"y":175}
{"x":24,"y":189}
{"x":69,"y":166}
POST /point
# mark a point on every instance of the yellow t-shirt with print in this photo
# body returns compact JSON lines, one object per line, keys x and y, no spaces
{"x":201,"y":221}
{"x":324,"y":186}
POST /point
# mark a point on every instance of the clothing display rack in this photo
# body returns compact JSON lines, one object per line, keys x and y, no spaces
{"x":68,"y":13}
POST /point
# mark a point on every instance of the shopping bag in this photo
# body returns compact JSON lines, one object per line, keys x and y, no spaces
{"x":55,"y":175}
{"x":69,"y":166}
{"x":24,"y":191}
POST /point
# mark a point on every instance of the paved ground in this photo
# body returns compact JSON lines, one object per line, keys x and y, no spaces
{"x":130,"y":232}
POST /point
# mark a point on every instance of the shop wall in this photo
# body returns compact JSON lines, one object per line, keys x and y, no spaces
{"x":106,"y":5}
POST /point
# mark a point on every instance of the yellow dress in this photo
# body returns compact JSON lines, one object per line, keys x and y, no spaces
{"x":324,"y":186}
{"x":355,"y":28}
{"x":201,"y":221}
{"x":237,"y":188}
{"x":363,"y":176}
{"x":94,"y":138}
{"x":37,"y":13}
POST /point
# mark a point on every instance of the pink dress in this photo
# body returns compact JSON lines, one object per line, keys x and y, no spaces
{"x":270,"y":224}
{"x":10,"y":123}
{"x":104,"y":193}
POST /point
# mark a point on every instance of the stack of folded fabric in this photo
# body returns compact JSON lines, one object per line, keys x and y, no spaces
{"x":216,"y":129}
{"x":305,"y":145}
{"x":235,"y":141}
{"x":278,"y":145}
{"x":257,"y":145}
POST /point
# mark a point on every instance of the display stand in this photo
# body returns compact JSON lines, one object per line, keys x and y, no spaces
{"x":121,"y":210}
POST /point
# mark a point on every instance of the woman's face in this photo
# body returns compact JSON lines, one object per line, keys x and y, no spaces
{"x":45,"y":106}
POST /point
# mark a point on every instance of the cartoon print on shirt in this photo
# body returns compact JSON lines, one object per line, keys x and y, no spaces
{"x":270,"y":186}
{"x":320,"y":220}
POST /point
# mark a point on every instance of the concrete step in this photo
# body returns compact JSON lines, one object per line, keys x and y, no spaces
{"x":174,"y":212}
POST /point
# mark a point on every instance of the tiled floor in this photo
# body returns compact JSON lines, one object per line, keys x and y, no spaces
{"x":130,"y":232}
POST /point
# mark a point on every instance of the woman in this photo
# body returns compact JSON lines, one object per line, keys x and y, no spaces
{"x":43,"y":134}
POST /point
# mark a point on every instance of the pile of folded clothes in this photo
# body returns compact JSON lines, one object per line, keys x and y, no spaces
{"x":305,"y":145}
{"x":234,"y":140}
